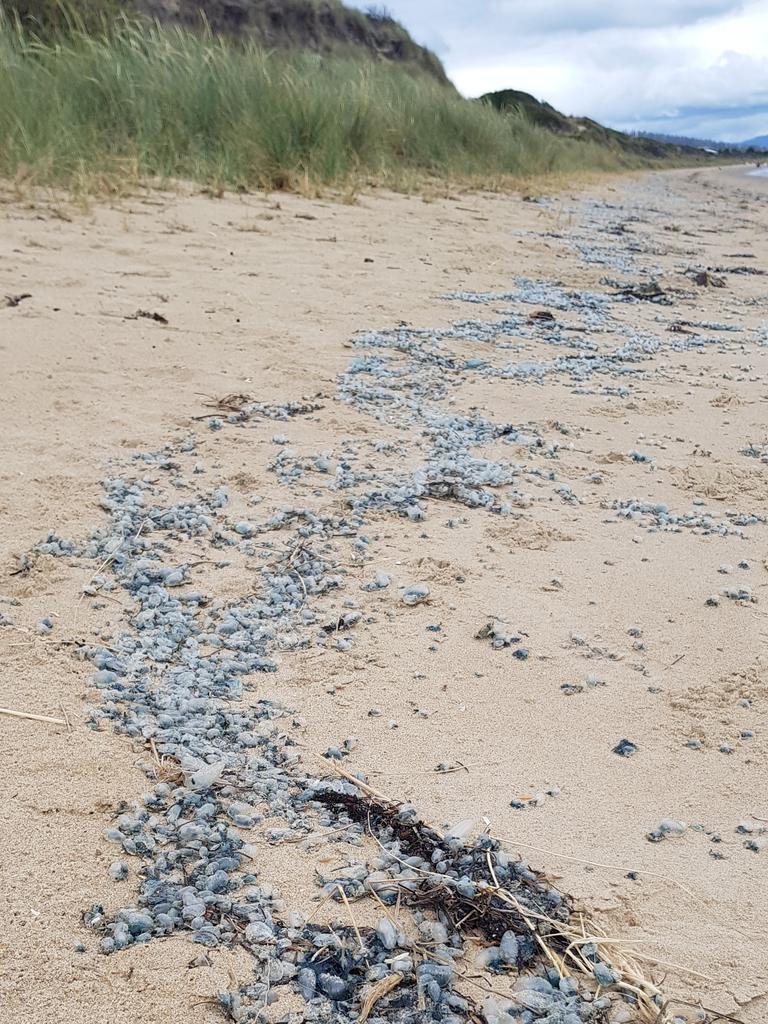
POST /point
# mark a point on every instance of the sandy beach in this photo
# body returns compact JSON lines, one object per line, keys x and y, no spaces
{"x":584,"y":377}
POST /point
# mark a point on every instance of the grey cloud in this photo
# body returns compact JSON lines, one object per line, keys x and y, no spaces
{"x":537,"y":16}
{"x":665,"y":88}
{"x":489,"y":26}
{"x":727,"y":124}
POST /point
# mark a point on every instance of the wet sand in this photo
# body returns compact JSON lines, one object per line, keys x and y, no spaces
{"x":748,"y":176}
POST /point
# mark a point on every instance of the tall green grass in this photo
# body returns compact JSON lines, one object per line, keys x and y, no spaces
{"x":83,"y":109}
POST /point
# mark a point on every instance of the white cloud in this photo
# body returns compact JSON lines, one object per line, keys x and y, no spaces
{"x":699,"y":66}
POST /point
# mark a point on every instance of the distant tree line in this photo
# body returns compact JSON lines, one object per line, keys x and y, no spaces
{"x":683,"y":140}
{"x":758,"y":145}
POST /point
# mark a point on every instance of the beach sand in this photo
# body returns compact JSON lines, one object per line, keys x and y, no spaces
{"x":262,"y":295}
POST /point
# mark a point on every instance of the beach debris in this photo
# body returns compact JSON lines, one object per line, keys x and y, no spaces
{"x":145,"y":314}
{"x":742,"y":595}
{"x":590,"y":683}
{"x":658,"y":516}
{"x":534,"y":799}
{"x":680,"y":327}
{"x":25,"y":562}
{"x":380,"y":581}
{"x":668,"y":828}
{"x":345,"y":621}
{"x":706,"y":279}
{"x":94,"y":916}
{"x":648,"y":291}
{"x":637,"y":456}
{"x":625,"y":748}
{"x":495,"y":631}
{"x":756,"y":451}
{"x":218,"y":768}
{"x":416,"y":593}
{"x":118,"y":870}
{"x":11,"y":301}
{"x":233,"y":402}
{"x":741,"y":270}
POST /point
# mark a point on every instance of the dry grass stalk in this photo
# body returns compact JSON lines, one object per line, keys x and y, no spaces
{"x":32,"y":718}
{"x":376,"y":992}
{"x":352,"y":918}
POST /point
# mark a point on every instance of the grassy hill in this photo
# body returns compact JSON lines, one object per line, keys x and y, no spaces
{"x":643,"y":148}
{"x":759,"y":143}
{"x":322,"y":26}
{"x":266,"y":93}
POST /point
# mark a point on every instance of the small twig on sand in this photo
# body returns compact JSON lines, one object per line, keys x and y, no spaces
{"x":343,"y":895}
{"x":300,"y":578}
{"x":459,"y":766}
{"x":678,"y":659}
{"x":362,"y":786}
{"x":31,"y":717}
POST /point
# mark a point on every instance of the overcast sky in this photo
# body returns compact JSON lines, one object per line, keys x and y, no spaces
{"x":694,"y":67}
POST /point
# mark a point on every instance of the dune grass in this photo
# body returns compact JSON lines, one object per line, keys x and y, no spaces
{"x":94,"y":111}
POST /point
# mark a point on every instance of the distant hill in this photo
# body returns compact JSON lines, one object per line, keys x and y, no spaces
{"x":685,"y":140}
{"x":759,"y":142}
{"x":537,"y":111}
{"x":324,"y":26}
{"x":584,"y":128}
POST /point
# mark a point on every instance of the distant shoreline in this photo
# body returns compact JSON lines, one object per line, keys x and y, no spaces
{"x":748,"y":175}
